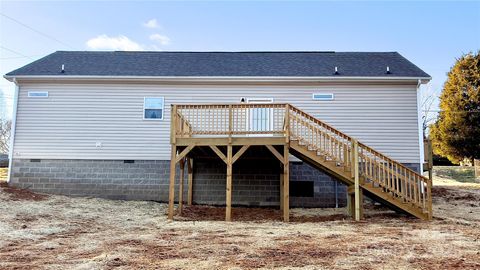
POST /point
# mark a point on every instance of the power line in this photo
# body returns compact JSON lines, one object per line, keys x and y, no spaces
{"x":17,"y":57}
{"x":15,"y":52}
{"x":37,"y":31}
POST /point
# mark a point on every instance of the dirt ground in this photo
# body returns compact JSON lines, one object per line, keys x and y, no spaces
{"x":57,"y":232}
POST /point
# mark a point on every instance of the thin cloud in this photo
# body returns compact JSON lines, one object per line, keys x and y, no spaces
{"x":119,"y":43}
{"x":151,"y":24}
{"x":162,"y":39}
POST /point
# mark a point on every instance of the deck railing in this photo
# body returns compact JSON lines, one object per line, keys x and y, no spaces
{"x":231,"y":119}
{"x":286,"y":120}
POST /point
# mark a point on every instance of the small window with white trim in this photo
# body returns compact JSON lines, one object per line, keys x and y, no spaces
{"x":153,"y":108}
{"x":322,"y":96}
{"x":38,"y":94}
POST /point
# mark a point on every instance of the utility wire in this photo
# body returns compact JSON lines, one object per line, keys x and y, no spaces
{"x":37,"y":31}
{"x":17,"y":57}
{"x":15,"y":52}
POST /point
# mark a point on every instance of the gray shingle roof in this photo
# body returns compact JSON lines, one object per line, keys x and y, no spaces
{"x":301,"y":64}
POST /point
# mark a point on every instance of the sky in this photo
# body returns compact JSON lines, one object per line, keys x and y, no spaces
{"x":430,"y":34}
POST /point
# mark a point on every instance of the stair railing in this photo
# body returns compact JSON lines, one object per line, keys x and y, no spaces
{"x":327,"y":141}
{"x":375,"y":168}
{"x":395,"y":178}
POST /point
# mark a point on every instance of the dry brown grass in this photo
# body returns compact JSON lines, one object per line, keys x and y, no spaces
{"x":58,"y":232}
{"x":3,"y":174}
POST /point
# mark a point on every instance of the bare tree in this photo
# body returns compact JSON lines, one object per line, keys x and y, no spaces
{"x":5,"y":131}
{"x":429,"y":115}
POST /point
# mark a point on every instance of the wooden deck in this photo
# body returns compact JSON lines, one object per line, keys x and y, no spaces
{"x":284,"y":130}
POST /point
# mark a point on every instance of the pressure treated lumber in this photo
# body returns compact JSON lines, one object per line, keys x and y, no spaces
{"x":190,"y":181}
{"x":228,"y":211}
{"x":171,"y":189}
{"x":355,"y":164}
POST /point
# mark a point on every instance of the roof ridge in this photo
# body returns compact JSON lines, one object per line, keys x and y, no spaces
{"x":318,"y":52}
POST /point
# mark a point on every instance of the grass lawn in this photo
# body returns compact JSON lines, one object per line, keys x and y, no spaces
{"x":459,"y":173}
{"x":59,"y":232}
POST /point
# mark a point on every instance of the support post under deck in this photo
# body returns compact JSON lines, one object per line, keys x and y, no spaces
{"x":286,"y":183}
{"x":228,"y":210}
{"x":190,"y":180}
{"x":171,"y":190}
{"x":180,"y":186}
{"x":358,"y":193}
{"x":281,"y":189}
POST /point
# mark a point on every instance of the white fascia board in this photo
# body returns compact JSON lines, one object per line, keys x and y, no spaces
{"x":219,"y":79}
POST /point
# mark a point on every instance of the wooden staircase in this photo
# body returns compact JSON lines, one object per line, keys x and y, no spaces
{"x":380,"y":177}
{"x":360,"y":167}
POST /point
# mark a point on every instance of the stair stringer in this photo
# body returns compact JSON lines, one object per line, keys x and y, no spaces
{"x":340,"y":174}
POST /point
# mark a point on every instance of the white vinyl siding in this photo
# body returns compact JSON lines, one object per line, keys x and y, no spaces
{"x":75,"y":117}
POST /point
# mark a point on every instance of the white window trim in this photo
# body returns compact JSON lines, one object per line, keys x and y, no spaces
{"x":259,"y":100}
{"x":323,"y":99}
{"x":163,"y":109}
{"x":38,"y":92}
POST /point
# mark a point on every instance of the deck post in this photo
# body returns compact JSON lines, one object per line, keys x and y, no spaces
{"x":228,"y":210}
{"x":173,"y":121}
{"x":230,"y":123}
{"x":190,"y":180}
{"x":429,"y":199}
{"x":358,"y":191}
{"x":286,"y":180}
{"x":287,"y":123}
{"x":430,"y":178}
{"x":351,"y":200}
{"x":281,"y":189}
{"x":171,"y":191}
{"x":180,"y":186}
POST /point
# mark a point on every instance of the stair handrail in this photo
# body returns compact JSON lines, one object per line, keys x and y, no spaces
{"x":362,"y":145}
{"x":340,"y":133}
{"x":323,"y":124}
{"x":423,"y":203}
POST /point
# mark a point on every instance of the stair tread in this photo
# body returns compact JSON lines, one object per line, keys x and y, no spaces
{"x":345,"y":173}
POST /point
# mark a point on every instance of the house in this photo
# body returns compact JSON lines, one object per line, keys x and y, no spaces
{"x":104,"y":124}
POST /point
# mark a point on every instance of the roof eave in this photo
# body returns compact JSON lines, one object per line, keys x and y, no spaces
{"x":217,"y":78}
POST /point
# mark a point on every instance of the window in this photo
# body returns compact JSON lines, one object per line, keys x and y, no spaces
{"x":153,"y":108}
{"x":42,"y":94}
{"x":322,"y":96}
